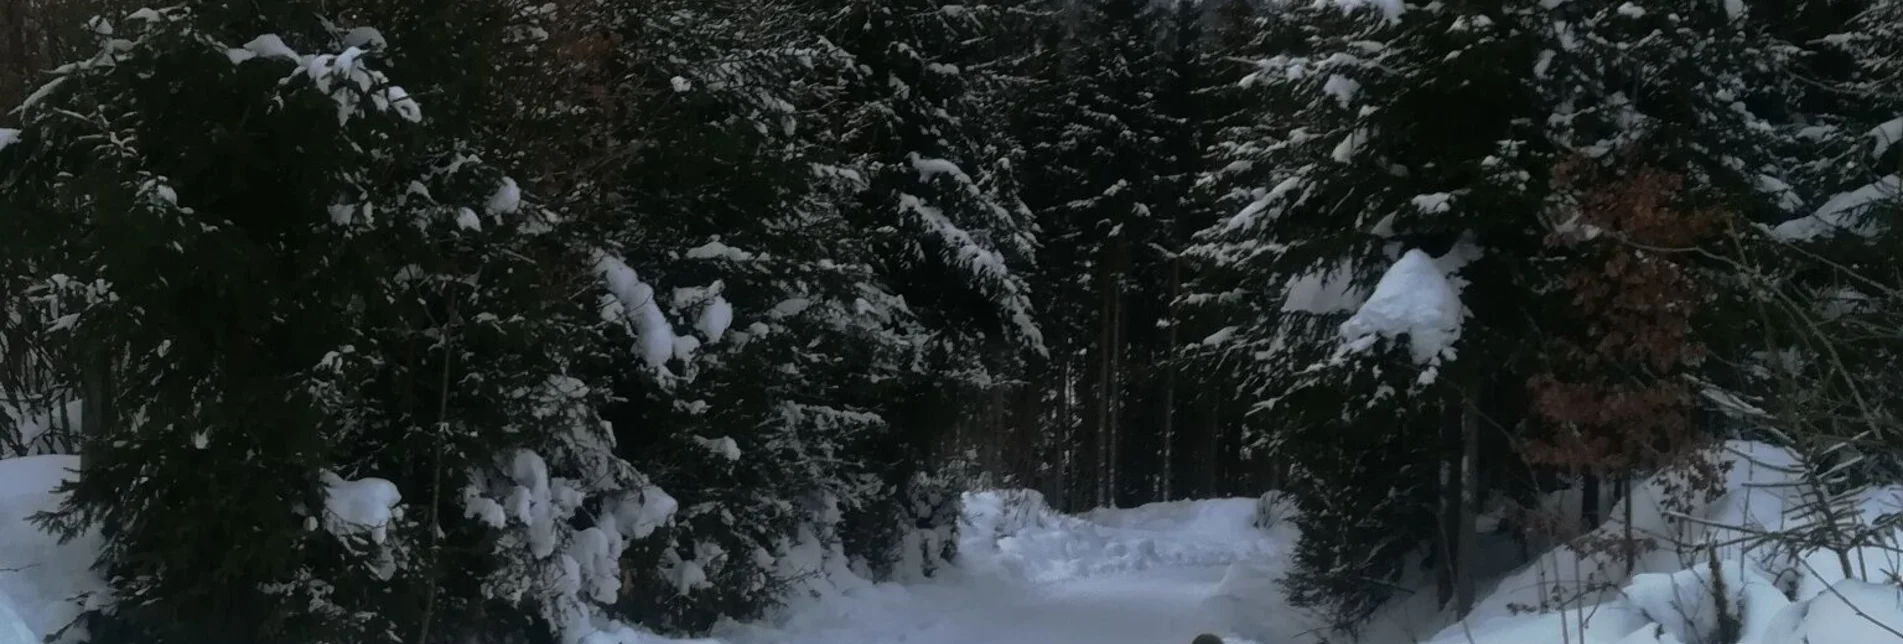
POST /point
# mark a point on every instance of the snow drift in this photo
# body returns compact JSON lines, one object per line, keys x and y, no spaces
{"x":44,"y":584}
{"x":1709,"y":580}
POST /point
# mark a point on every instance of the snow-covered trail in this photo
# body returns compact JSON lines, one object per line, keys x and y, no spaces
{"x":1159,"y":606}
{"x":1159,"y":574}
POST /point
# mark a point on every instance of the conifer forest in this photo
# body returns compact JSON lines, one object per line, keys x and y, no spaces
{"x":951,"y":321}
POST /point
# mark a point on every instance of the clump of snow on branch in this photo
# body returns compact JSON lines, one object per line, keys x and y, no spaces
{"x":343,"y":76}
{"x":363,"y":508}
{"x":715,"y":319}
{"x":634,"y":301}
{"x":360,"y":506}
{"x":1843,"y":212}
{"x":1390,"y":9}
{"x":1885,"y":136}
{"x":986,"y":264}
{"x":507,"y":198}
{"x":567,"y":569}
{"x":1414,"y":299}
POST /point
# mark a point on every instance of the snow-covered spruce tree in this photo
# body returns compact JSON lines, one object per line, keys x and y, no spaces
{"x":1096,"y":174}
{"x":937,"y":175}
{"x":1395,"y":128}
{"x":340,"y":351}
{"x":1832,"y":267}
{"x":948,"y":231}
{"x":763,"y":409}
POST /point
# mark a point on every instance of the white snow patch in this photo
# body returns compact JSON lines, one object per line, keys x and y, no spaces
{"x":724,"y":447}
{"x":1391,"y":9}
{"x":715,"y":319}
{"x":1413,"y":298}
{"x":1842,"y":212}
{"x":1019,"y":536}
{"x":466,"y":219}
{"x":367,"y":38}
{"x":366,"y":505}
{"x":1882,"y":137}
{"x":8,"y":136}
{"x":47,"y":583}
{"x":717,"y":250}
{"x":1342,"y":88}
{"x":637,"y":303}
{"x":1344,"y":151}
{"x":271,"y":46}
{"x":507,"y":198}
{"x":1433,"y":203}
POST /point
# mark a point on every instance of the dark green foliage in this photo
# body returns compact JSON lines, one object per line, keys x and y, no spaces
{"x":292,"y":282}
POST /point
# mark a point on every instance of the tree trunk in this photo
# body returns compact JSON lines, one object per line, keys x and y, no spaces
{"x":96,"y":413}
{"x":1449,"y":483}
{"x":1211,"y":447}
{"x":1113,"y":387}
{"x":1105,"y":390}
{"x":1168,"y":404}
{"x":1469,"y":506}
{"x":1631,"y":546}
{"x":1589,"y":502}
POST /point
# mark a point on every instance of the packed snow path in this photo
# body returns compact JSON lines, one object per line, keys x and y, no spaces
{"x":1152,"y":607}
{"x":1159,"y":574}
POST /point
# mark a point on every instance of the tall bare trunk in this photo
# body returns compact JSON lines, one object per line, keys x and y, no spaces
{"x":1589,"y":501}
{"x":1165,"y":488}
{"x":1469,"y":506}
{"x":1449,"y":430}
{"x":96,"y":413}
{"x":1114,"y":380}
{"x":1631,"y":546}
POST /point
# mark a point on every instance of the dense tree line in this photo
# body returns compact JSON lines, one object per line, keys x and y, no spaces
{"x":613,"y":312}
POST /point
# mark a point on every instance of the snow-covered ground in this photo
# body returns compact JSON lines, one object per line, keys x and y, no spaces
{"x":1162,"y":573}
{"x":43,"y":583}
{"x":1151,"y":575}
{"x":1158,"y":574}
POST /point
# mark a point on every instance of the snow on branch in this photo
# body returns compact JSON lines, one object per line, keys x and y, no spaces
{"x":636,"y":303}
{"x":1414,"y":299}
{"x":1843,"y":212}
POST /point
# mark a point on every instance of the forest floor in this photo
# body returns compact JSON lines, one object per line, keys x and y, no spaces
{"x":1165,"y":572}
{"x":1159,"y":574}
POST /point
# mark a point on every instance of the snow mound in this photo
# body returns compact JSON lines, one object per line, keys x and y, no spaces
{"x":13,"y":627}
{"x":1851,"y":611}
{"x":1706,"y":580}
{"x":1018,"y":534}
{"x":1218,"y":518}
{"x":1414,"y":299}
{"x":46,"y":582}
